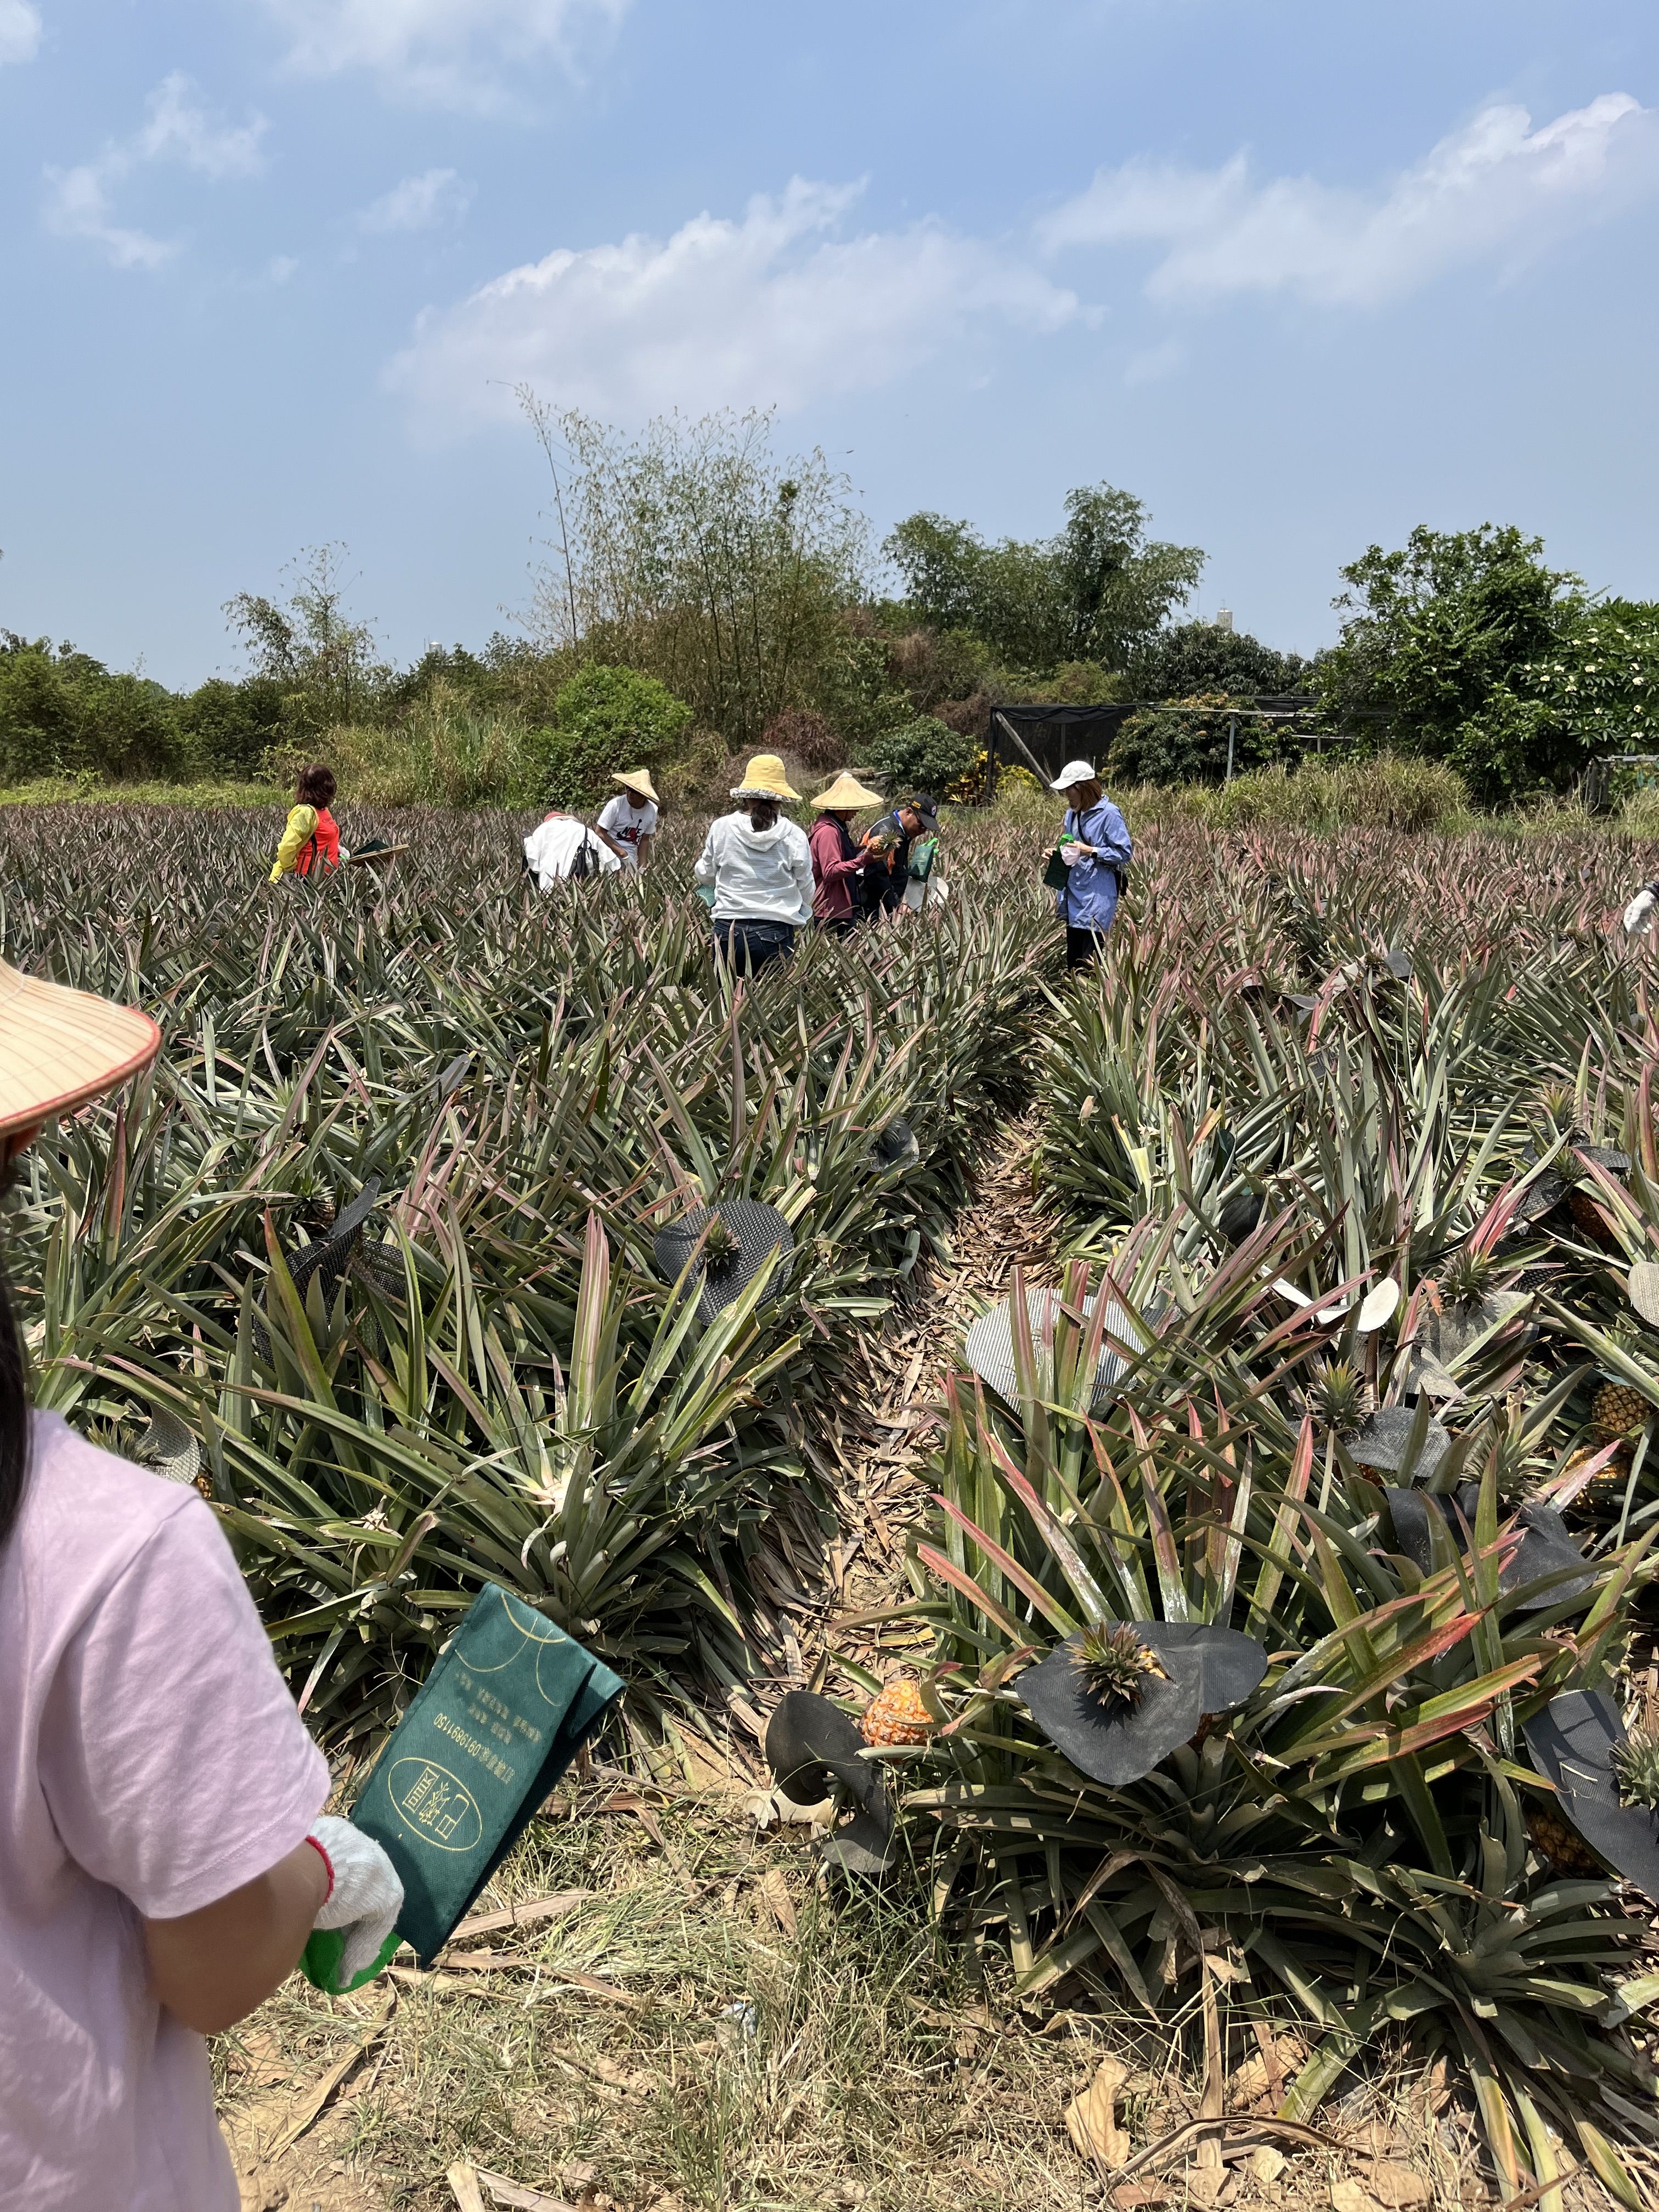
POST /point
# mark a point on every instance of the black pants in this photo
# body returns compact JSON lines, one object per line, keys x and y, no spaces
{"x":1083,"y":946}
{"x":842,"y":925}
{"x":749,"y":945}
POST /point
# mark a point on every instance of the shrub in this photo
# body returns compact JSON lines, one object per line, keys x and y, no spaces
{"x":609,"y":719}
{"x":926,"y":754}
{"x":1416,"y":796}
{"x":227,"y":729}
{"x":801,"y":735}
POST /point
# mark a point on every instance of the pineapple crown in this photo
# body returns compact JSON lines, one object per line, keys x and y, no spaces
{"x":1558,"y":1104}
{"x":1115,"y":1665}
{"x":718,"y":1242}
{"x":1467,"y":1276}
{"x":1636,"y":1770}
{"x":1338,"y":1398}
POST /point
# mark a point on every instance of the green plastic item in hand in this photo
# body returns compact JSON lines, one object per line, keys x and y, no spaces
{"x":503,"y":1712}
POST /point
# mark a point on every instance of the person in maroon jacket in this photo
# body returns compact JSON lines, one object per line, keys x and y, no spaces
{"x":837,"y":855}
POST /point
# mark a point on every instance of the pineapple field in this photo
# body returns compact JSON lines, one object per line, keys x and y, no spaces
{"x":1265,"y":1675}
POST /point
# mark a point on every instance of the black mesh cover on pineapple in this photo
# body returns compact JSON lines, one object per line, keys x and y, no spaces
{"x":1392,"y":1441}
{"x":988,"y":1347}
{"x":756,"y":1231}
{"x":1572,"y":1743}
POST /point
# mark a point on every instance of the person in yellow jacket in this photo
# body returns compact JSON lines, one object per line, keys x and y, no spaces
{"x":310,"y":840}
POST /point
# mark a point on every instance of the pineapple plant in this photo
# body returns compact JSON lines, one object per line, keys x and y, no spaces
{"x":1636,"y":1770}
{"x":898,"y":1715}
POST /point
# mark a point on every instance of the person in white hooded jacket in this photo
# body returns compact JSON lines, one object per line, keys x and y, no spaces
{"x":759,"y":867}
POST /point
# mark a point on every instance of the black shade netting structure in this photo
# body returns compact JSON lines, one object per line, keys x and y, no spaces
{"x":988,"y":1347}
{"x":756,"y":1231}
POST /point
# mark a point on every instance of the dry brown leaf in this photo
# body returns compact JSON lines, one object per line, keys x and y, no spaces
{"x":1091,"y":2118}
{"x":1205,"y":2185}
{"x":464,"y":2186}
{"x":1351,"y":2197}
{"x":773,"y":1890}
{"x":1130,"y":2196}
{"x":1256,"y":2078}
{"x":1398,"y":2186}
{"x":518,"y":1915}
{"x":1266,"y":2164}
{"x":517,"y":2197}
{"x":329,"y":2082}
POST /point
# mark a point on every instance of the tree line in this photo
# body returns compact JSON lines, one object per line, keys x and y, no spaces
{"x":697,"y":594}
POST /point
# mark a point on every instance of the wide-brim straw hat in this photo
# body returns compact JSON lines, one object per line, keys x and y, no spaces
{"x":637,"y":779}
{"x":60,"y":1047}
{"x":764,"y":778}
{"x":846,"y":795}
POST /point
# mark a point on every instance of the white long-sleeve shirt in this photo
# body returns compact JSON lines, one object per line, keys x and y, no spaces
{"x":758,"y":875}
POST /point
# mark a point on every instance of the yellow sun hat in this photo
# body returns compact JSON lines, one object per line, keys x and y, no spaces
{"x":60,"y":1048}
{"x":846,"y":793}
{"x":638,"y":779}
{"x":764,"y":778}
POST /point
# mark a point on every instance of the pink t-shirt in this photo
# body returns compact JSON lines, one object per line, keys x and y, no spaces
{"x":151,"y":1761}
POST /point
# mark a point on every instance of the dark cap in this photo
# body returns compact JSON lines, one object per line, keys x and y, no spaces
{"x":927,"y":807}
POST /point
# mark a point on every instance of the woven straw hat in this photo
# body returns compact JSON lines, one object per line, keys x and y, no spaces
{"x":846,"y":794}
{"x":764,"y":778}
{"x":60,"y":1048}
{"x":637,"y":780}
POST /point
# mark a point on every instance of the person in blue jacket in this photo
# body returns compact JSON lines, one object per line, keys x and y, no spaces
{"x":1096,"y":848}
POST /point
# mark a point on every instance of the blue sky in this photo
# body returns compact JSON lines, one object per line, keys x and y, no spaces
{"x":1298,"y":274}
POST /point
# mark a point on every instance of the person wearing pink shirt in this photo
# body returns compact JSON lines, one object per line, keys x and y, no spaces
{"x":837,"y":855}
{"x":163,"y":1854}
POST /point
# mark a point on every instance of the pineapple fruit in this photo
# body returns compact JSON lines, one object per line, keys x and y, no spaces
{"x":1559,"y":1844}
{"x":1617,"y":1410}
{"x":897,"y":1715}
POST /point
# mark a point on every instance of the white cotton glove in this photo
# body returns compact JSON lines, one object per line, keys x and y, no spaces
{"x":1073,"y":852}
{"x":365,"y":1894}
{"x":1640,"y":915}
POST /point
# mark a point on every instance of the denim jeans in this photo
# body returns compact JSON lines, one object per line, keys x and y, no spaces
{"x":750,"y":945}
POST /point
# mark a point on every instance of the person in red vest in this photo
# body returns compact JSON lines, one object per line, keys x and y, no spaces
{"x":311,"y":841}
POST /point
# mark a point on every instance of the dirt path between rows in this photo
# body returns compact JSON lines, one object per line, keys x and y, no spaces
{"x":883,"y":1456}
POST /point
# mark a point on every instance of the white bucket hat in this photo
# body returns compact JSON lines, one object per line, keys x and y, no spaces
{"x":1073,"y":772}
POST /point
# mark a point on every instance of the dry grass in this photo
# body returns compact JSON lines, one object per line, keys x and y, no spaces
{"x":769,"y":2044}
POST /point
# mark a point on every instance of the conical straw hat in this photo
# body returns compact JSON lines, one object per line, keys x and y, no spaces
{"x":638,"y":779}
{"x":60,"y":1047}
{"x":845,"y":794}
{"x":764,"y":778}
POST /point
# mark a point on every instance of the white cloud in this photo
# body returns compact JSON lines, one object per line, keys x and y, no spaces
{"x":436,"y":195}
{"x":774,"y":309}
{"x":448,"y":52}
{"x":79,"y":203}
{"x":1495,"y":190}
{"x":20,"y":31}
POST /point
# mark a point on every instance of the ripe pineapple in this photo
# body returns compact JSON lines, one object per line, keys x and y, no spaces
{"x":1612,"y":1476}
{"x":1616,"y":1411}
{"x":1559,"y":1844}
{"x":896,"y":1715}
